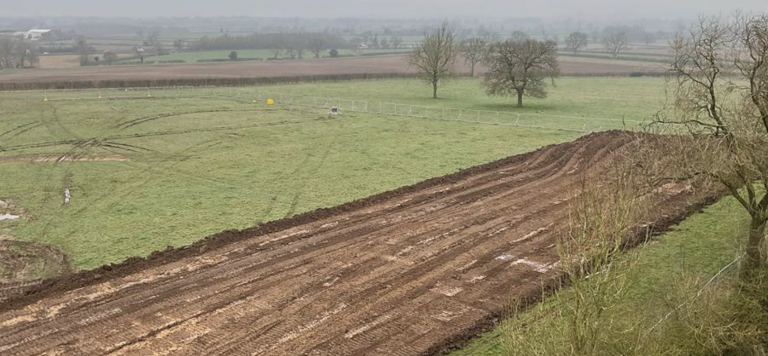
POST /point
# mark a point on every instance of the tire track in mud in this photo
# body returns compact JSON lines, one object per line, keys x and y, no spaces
{"x":409,"y":272}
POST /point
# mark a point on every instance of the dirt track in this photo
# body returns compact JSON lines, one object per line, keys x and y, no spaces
{"x":408,"y":272}
{"x":270,"y":69}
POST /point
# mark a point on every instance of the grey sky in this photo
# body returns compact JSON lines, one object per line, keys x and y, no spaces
{"x":586,"y":9}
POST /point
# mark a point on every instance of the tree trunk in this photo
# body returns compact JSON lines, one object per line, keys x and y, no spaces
{"x":434,"y":90}
{"x":472,"y":73}
{"x":753,"y":260}
{"x":519,"y":98}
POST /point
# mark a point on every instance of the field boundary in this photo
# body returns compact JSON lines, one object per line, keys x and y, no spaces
{"x":252,"y":81}
{"x":580,"y":124}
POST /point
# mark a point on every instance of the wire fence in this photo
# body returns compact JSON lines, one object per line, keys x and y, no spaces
{"x":504,"y":118}
{"x":582,"y":124}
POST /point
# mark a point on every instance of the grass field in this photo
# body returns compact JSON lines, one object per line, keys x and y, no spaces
{"x":166,"y":171}
{"x":610,"y":98}
{"x":698,"y":248}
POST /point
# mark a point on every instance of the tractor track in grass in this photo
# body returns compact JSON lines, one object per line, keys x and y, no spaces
{"x":98,"y":141}
{"x":414,"y":271}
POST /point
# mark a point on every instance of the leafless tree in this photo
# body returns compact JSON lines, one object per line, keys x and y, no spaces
{"x":6,"y":53}
{"x":719,"y":87}
{"x":521,"y":68}
{"x":435,"y":56}
{"x":576,"y":41}
{"x":25,"y":53}
{"x":615,"y":40}
{"x":473,"y":50}
{"x":83,"y":49}
{"x":518,"y":36}
{"x":179,"y":44}
{"x":396,"y":42}
{"x":109,"y":57}
{"x":153,"y":40}
{"x":316,"y":45}
{"x":277,"y":52}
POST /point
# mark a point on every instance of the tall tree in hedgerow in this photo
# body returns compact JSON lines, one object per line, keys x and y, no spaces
{"x":719,"y":98}
{"x":435,"y":56}
{"x":521,"y":68}
{"x":473,"y":50}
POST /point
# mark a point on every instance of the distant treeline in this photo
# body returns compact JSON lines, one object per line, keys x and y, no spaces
{"x":294,"y":43}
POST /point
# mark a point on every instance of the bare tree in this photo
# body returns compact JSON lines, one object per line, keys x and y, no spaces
{"x":83,"y":49}
{"x":518,"y":36}
{"x":109,"y":57}
{"x":473,"y":50}
{"x":615,"y":40}
{"x":24,"y":54}
{"x":435,"y":56}
{"x":179,"y":44}
{"x":576,"y":41}
{"x":521,"y":68}
{"x":277,"y":52}
{"x":153,"y":40}
{"x":719,"y":86}
{"x":396,"y":42}
{"x":316,"y":45}
{"x":6,"y":53}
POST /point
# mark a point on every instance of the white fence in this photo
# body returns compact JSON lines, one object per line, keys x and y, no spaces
{"x":251,"y":94}
{"x":505,"y":118}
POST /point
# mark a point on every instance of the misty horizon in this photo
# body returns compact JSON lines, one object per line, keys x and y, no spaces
{"x":597,"y":10}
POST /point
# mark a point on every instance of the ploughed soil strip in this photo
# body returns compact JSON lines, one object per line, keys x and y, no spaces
{"x":410,"y":272}
{"x":390,"y":64}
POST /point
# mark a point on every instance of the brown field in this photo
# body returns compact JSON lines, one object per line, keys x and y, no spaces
{"x":358,"y":65}
{"x":59,"y":61}
{"x":414,"y":271}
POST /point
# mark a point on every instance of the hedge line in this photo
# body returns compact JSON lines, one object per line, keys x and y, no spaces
{"x":248,"y":81}
{"x":195,"y":82}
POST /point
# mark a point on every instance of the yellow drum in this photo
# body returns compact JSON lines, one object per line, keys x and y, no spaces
{"x":270,"y":101}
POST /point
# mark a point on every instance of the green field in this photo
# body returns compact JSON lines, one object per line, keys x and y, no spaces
{"x":154,"y":168}
{"x":697,"y":249}
{"x":193,"y":57}
{"x":205,"y":160}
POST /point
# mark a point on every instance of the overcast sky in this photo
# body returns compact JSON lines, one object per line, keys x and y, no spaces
{"x":586,"y":9}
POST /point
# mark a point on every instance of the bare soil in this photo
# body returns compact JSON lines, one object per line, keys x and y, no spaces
{"x":23,"y":264}
{"x":415,"y":271}
{"x":271,"y":69}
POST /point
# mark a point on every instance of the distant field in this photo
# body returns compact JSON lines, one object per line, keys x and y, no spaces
{"x":600,"y":97}
{"x":59,"y":61}
{"x":384,"y":64}
{"x":193,"y":57}
{"x":146,"y":173}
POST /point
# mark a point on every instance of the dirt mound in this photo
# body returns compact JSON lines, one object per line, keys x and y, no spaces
{"x":25,"y":264}
{"x":408,"y":272}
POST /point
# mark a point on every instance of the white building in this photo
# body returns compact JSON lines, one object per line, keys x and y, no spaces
{"x":37,"y":34}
